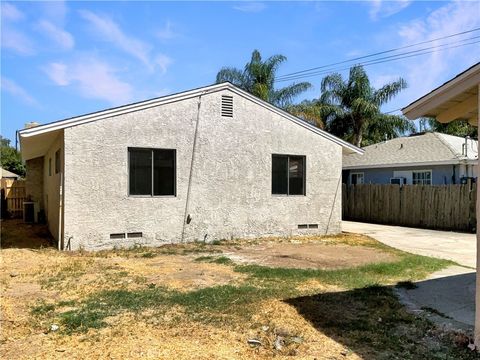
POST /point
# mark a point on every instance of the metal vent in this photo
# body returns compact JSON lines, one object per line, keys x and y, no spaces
{"x":135,"y":235}
{"x":227,"y":105}
{"x":117,"y":236}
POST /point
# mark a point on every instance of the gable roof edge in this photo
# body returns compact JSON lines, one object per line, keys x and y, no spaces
{"x":108,"y":113}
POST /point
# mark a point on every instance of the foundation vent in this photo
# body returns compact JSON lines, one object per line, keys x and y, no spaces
{"x":135,"y":235}
{"x":308,"y":226}
{"x":227,"y":106}
{"x":117,"y":236}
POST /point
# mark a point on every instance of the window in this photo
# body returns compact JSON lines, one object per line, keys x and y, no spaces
{"x":57,"y":161}
{"x":151,"y":172}
{"x":50,"y":167}
{"x":356,"y":178}
{"x":288,"y":175}
{"x":422,"y":177}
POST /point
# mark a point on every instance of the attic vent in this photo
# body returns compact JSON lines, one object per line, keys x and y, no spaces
{"x":227,"y":106}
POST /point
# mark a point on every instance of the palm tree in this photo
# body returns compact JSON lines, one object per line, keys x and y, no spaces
{"x":351,"y":108}
{"x":258,"y":78}
{"x":458,"y":127}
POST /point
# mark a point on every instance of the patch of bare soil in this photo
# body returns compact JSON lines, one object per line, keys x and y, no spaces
{"x":16,"y":234}
{"x":308,"y":255}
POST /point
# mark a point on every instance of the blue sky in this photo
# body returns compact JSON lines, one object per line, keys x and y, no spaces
{"x":61,"y":59}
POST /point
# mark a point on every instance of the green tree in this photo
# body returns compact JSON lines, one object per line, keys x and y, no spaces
{"x":458,"y":127}
{"x":10,"y":158}
{"x":258,"y":78}
{"x":350,"y":108}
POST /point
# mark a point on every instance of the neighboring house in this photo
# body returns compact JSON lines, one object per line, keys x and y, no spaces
{"x":428,"y":158}
{"x":8,"y":174}
{"x":211,"y":163}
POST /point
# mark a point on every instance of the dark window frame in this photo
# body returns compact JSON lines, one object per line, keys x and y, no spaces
{"x":288,"y":156}
{"x":152,"y":159}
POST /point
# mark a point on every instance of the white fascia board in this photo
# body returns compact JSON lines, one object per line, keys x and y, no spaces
{"x":403,"y":165}
{"x":75,"y":121}
{"x":422,"y":106}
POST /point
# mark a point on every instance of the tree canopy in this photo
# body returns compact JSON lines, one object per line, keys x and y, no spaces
{"x":258,"y":78}
{"x":10,"y":158}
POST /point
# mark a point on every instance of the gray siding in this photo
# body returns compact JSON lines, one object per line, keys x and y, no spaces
{"x":441,"y":174}
{"x":231,"y":176}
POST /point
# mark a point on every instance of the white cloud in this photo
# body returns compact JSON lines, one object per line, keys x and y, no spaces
{"x":16,"y":90}
{"x":55,"y":11}
{"x":110,"y":31}
{"x":383,"y":9}
{"x":425,"y":72}
{"x":163,"y":62}
{"x":10,"y":12}
{"x":61,"y":37}
{"x":167,"y":32}
{"x":16,"y":41}
{"x":93,"y":78}
{"x":250,"y":7}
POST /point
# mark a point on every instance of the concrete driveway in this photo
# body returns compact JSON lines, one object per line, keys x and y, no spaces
{"x":459,"y":247}
{"x":449,"y":292}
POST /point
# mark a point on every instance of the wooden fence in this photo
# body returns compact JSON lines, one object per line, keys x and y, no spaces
{"x":13,"y":192}
{"x":446,"y":207}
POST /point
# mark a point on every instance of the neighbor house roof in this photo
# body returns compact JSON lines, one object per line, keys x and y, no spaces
{"x":430,"y":148}
{"x":8,"y":174}
{"x":455,"y":99}
{"x":38,"y":138}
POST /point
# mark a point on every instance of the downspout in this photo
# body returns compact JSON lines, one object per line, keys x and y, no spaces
{"x":186,"y":215}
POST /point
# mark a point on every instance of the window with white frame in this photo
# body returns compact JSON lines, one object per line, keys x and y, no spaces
{"x":423,"y":177}
{"x":356,"y":178}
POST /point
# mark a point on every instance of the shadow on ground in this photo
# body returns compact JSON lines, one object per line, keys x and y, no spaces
{"x":373,"y":324}
{"x":16,"y":234}
{"x":450,"y":299}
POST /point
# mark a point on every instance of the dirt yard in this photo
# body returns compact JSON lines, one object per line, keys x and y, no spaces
{"x":228,"y":300}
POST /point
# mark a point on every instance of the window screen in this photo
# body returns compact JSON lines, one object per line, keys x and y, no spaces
{"x":288,"y":175}
{"x":151,"y":172}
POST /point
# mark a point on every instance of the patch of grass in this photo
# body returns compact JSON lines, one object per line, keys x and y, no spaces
{"x":373,"y":323}
{"x":216,"y":242}
{"x":148,"y":255}
{"x":215,"y":259}
{"x":42,"y":309}
{"x":209,"y":304}
{"x":410,"y":267}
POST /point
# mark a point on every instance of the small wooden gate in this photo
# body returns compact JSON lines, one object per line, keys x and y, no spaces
{"x":14,"y":193}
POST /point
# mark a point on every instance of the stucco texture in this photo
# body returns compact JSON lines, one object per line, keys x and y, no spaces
{"x":230,"y":195}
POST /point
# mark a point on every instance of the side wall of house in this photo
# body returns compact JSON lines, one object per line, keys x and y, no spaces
{"x":441,"y":174}
{"x":231,"y":176}
{"x":52,"y":177}
{"x":34,"y":180}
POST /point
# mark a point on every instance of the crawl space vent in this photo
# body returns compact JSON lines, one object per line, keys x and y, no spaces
{"x":135,"y":235}
{"x":117,"y":236}
{"x":227,"y":106}
{"x":308,"y":226}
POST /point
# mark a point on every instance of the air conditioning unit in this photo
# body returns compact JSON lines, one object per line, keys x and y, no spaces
{"x":30,"y":212}
{"x":398,"y":181}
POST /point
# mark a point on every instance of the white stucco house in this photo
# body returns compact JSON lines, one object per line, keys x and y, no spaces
{"x":210,"y":163}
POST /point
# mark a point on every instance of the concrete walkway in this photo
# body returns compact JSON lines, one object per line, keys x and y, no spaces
{"x":459,"y":247}
{"x":447,"y":296}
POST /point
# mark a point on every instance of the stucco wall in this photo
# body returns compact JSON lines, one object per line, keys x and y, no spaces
{"x":51,"y":186}
{"x":34,"y":180}
{"x":231,"y":178}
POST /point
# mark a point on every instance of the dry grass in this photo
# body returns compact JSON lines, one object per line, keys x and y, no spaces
{"x":162,"y":303}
